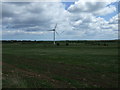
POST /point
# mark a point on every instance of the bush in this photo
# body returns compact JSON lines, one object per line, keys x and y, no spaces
{"x":58,"y":44}
{"x":67,"y":44}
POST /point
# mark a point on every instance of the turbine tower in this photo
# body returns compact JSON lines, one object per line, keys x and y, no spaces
{"x":54,"y":34}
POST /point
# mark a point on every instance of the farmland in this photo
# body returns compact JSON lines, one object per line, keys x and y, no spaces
{"x":44,"y":65}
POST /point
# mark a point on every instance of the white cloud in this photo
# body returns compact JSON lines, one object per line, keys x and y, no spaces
{"x":105,"y":11}
{"x":79,"y":22}
{"x":13,"y":32}
{"x":95,"y":7}
{"x":115,"y":19}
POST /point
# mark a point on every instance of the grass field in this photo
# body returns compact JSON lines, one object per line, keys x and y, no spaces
{"x":47,"y":66}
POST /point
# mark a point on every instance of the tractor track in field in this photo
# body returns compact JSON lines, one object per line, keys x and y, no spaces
{"x":27,"y":73}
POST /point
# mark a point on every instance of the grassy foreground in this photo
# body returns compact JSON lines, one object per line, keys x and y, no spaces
{"x":47,"y":66}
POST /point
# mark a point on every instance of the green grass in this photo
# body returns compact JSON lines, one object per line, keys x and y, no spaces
{"x":48,"y":66}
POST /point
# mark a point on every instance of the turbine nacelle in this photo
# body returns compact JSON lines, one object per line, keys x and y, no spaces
{"x":53,"y":29}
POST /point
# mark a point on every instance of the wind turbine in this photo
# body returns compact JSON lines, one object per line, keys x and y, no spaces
{"x":54,"y":33}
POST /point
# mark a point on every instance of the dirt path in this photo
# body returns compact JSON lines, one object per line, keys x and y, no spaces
{"x":55,"y":83}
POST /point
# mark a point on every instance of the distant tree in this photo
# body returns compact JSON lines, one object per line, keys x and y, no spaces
{"x":105,"y":44}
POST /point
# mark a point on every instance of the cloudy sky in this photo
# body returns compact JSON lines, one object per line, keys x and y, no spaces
{"x":79,"y":20}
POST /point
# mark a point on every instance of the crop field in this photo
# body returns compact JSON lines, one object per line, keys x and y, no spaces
{"x":78,"y":65}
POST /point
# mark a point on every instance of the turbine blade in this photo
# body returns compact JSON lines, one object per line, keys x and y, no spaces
{"x":50,"y":30}
{"x":55,"y":25}
{"x":57,"y":33}
{"x":62,"y":32}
